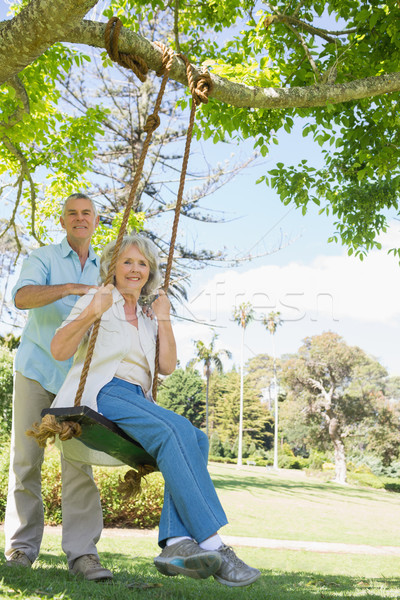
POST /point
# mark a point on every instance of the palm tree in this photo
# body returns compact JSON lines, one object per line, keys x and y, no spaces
{"x":242,"y":315}
{"x":209,"y":356}
{"x":271,"y":322}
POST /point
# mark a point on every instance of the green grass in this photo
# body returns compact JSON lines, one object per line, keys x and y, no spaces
{"x":285,"y":576}
{"x":290,"y":505}
{"x":259,"y":503}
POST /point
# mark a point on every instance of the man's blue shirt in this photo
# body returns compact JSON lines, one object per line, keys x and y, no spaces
{"x":50,"y":265}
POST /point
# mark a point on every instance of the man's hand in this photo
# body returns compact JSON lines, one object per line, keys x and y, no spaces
{"x":80,"y":289}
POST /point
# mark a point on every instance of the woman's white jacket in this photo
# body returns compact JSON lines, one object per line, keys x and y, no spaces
{"x":112,"y":345}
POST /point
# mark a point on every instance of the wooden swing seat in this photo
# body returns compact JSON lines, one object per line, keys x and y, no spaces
{"x":99,"y":433}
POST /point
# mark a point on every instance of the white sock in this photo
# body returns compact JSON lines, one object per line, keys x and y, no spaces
{"x":212,"y":543}
{"x":175,"y":540}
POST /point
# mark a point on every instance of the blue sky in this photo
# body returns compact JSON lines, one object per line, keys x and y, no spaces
{"x":314,"y":285}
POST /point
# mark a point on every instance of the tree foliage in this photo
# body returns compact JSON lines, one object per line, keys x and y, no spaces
{"x":183,"y":393}
{"x":332,"y":66}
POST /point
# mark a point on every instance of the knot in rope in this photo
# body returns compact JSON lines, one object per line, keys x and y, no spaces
{"x":152,"y":123}
{"x":129,"y":61}
{"x":200,"y":87}
{"x":131,"y":485}
{"x":167,"y":58}
{"x":50,"y":427}
{"x":204,"y":86}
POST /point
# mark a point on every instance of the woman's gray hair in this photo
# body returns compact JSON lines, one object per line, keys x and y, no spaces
{"x":149,"y":251}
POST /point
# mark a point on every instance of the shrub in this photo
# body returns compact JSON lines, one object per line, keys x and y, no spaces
{"x":51,"y":483}
{"x":4,"y":464}
{"x":222,"y":459}
{"x":367,"y":479}
{"x":316,"y":460}
{"x":142,"y":512}
{"x":392,"y":486}
{"x":6,"y":388}
{"x":216,"y":447}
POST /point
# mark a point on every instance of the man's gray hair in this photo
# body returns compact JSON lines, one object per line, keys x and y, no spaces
{"x":76,"y":197}
{"x":149,"y":251}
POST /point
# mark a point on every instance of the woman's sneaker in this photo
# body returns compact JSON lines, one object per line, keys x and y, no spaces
{"x":233,"y":571}
{"x":187,"y":558}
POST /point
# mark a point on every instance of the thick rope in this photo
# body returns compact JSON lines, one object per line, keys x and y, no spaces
{"x":50,"y":427}
{"x":129,"y":61}
{"x":199,"y":90}
{"x":130,"y":487}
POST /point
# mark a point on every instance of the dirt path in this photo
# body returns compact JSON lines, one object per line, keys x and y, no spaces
{"x":323,"y":547}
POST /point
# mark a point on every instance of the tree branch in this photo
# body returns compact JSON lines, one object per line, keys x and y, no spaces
{"x":25,"y":174}
{"x":21,"y":93}
{"x":241,"y":95}
{"x":292,"y":20}
{"x":307,"y":53}
{"x":37,"y":27}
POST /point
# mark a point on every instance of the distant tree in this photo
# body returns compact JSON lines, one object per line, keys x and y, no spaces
{"x":383,"y":433}
{"x":242,"y":315}
{"x":12,"y":245}
{"x":257,"y":419}
{"x":259,"y":371}
{"x":272,"y":322}
{"x":392,"y":388}
{"x":216,"y":446}
{"x":334,"y":385}
{"x":183,"y":392}
{"x":10,"y":341}
{"x":209,"y":357}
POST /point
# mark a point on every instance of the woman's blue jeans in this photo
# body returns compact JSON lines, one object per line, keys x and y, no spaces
{"x":191,"y":505}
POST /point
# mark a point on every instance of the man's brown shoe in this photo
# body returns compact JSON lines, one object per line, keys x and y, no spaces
{"x":89,"y":566}
{"x":19,"y":559}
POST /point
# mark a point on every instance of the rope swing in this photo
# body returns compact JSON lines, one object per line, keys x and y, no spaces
{"x":81,"y":422}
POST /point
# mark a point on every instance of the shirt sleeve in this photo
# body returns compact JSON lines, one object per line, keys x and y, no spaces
{"x":34,"y":271}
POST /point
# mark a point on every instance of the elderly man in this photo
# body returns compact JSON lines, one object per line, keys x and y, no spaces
{"x":51,"y":279}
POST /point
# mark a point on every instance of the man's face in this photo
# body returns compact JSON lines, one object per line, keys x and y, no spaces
{"x":79,"y":219}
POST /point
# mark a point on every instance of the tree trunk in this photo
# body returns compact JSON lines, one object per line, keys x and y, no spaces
{"x":339,"y":452}
{"x":340,"y":462}
{"x":207,"y":388}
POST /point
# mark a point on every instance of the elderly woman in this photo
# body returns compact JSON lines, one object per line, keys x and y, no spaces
{"x":120,"y":378}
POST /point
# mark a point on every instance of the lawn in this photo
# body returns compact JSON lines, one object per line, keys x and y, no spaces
{"x":259,"y":503}
{"x":290,"y":505}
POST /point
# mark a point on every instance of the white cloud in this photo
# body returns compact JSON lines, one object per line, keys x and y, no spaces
{"x":358,"y":300}
{"x":336,"y":286}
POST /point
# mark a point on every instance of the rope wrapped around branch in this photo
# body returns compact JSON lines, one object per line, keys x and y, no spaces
{"x":129,"y":61}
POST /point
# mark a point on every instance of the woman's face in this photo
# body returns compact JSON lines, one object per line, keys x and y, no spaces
{"x":132,"y":271}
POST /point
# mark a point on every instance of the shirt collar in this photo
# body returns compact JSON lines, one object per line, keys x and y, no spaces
{"x":118,"y":297}
{"x":66,"y":251}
